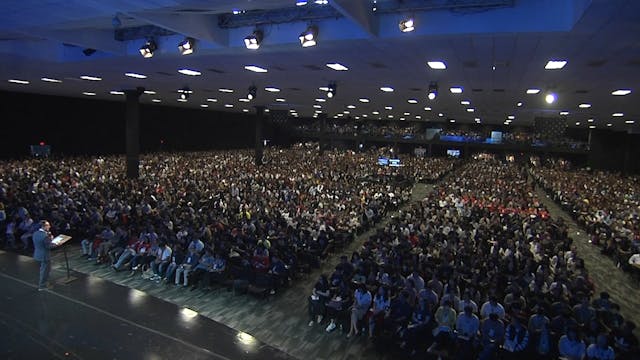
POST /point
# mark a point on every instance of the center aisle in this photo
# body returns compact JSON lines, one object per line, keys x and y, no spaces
{"x":606,"y":276}
{"x":280,"y":321}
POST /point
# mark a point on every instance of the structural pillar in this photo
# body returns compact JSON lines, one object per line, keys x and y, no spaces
{"x":132,"y":130}
{"x":323,"y":132}
{"x":259,"y":144}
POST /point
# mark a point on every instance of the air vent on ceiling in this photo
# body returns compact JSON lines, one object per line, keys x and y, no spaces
{"x":378,"y":65}
{"x":313,"y":67}
{"x":476,"y":90}
{"x":415,"y":89}
{"x":294,"y":89}
{"x":217,"y":71}
{"x":596,"y":63}
{"x":582,"y":91}
{"x":192,"y":11}
{"x":498,"y":90}
{"x":164,"y":73}
{"x":208,"y":90}
{"x":279,"y":68}
{"x":470,"y":64}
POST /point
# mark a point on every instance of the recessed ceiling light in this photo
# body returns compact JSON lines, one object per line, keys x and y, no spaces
{"x":617,"y":114}
{"x":564,"y":113}
{"x":351,"y":107}
{"x":321,"y":100}
{"x":440,"y":114}
{"x":412,"y":101}
{"x":471,"y":110}
{"x":402,"y":119}
{"x":337,"y":67}
{"x":244,"y":100}
{"x":363,"y":100}
{"x":189,"y":72}
{"x":365,"y":115}
{"x":418,"y":117}
{"x":465,"y":102}
{"x":550,"y":98}
{"x":456,"y":90}
{"x":301,"y":3}
{"x":437,"y":65}
{"x":135,"y":75}
{"x":317,"y":106}
{"x":272,"y":89}
{"x":629,"y":121}
{"x":477,"y":120}
{"x":621,"y":92}
{"x":16,"y":81}
{"x":388,"y":107}
{"x":88,"y":93}
{"x":427,"y":108}
{"x":204,"y":105}
{"x":592,"y":126}
{"x":555,"y":64}
{"x":533,"y":91}
{"x":90,"y":78}
{"x":609,"y":124}
{"x":156,"y":100}
{"x":245,"y":110}
{"x":280,"y":100}
{"x":590,"y":120}
{"x":224,"y":90}
{"x":577,"y":123}
{"x":390,"y":116}
{"x":584,"y":106}
{"x":452,"y":120}
{"x":519,"y":104}
{"x":212,"y":100}
{"x":386,"y":89}
{"x":323,"y":88}
{"x":51,"y":80}
{"x":511,"y":117}
{"x":116,"y":92}
{"x":406,"y":114}
{"x":228,"y":105}
{"x":255,"y":68}
{"x":375,"y":113}
{"x":149,"y":92}
{"x":346,"y":112}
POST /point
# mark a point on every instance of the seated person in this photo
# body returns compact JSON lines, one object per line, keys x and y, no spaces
{"x":361,"y":303}
{"x":318,"y":299}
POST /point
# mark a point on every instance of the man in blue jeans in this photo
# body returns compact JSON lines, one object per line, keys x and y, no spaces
{"x":42,"y":252}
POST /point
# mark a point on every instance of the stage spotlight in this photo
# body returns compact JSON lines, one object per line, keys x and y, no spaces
{"x":252,"y":92}
{"x":550,"y":98}
{"x":186,"y":46}
{"x":308,"y":37}
{"x":331,"y":92}
{"x":148,"y":48}
{"x":433,"y":91}
{"x":253,"y":41}
{"x":406,"y":25}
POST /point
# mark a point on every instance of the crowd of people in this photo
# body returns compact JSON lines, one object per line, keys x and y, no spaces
{"x":199,"y":218}
{"x":477,"y":270}
{"x":607,"y":205}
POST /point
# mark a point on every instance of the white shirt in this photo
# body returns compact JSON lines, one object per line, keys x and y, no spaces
{"x":634,"y":259}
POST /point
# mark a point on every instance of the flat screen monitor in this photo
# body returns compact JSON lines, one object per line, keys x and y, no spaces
{"x":394,"y":162}
{"x":453,"y":152}
{"x":383,"y":161}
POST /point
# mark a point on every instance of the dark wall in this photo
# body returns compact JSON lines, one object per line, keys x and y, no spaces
{"x":615,"y":151}
{"x":74,"y":126}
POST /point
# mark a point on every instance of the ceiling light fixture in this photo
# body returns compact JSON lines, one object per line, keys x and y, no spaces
{"x":555,"y":64}
{"x":407,"y":25}
{"x":51,"y":80}
{"x":337,"y":67}
{"x":253,"y":41}
{"x":584,"y":106}
{"x":255,"y":68}
{"x":331,"y":90}
{"x":186,"y":46}
{"x":456,"y":90}
{"x":148,"y":49}
{"x":533,"y":91}
{"x":621,"y":92}
{"x":252,"y":92}
{"x":433,"y":91}
{"x":17,"y":81}
{"x":437,"y":65}
{"x":309,"y":37}
{"x":550,"y":98}
{"x":386,"y":89}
